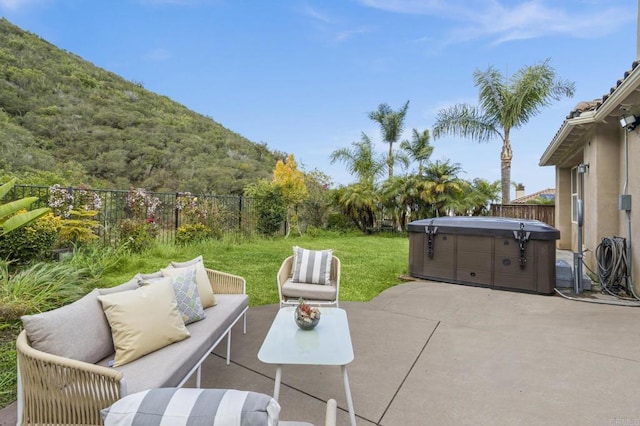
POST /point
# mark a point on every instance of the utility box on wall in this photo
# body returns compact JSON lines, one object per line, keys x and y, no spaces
{"x":497,"y":252}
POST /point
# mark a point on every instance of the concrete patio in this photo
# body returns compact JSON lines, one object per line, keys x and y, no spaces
{"x":430,"y":353}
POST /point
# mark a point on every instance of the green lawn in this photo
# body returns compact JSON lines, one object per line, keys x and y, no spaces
{"x":370,"y":264}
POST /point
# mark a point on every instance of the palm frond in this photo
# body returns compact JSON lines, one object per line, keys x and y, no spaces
{"x":466,"y":121}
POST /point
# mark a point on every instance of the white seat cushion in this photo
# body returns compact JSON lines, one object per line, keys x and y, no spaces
{"x":291,"y":289}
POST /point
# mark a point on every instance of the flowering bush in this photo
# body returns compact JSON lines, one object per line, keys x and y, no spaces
{"x":140,"y":204}
{"x":202,"y":211}
{"x":192,"y":210}
{"x":63,"y":200}
{"x":60,"y":201}
{"x":78,"y":210}
{"x":87,"y":200}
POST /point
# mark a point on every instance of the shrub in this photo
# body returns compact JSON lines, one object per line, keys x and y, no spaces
{"x":340,"y":222}
{"x":202,"y":211}
{"x":270,"y":207}
{"x":98,"y":258}
{"x":192,"y":232}
{"x":138,"y":235}
{"x":31,"y":242}
{"x":141,"y":205}
{"x":79,"y":229}
{"x":40,"y":287}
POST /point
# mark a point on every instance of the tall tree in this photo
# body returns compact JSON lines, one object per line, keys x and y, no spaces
{"x":419,"y":149}
{"x":504,"y":104}
{"x":290,"y":180}
{"x":360,"y":160}
{"x":391,"y":125}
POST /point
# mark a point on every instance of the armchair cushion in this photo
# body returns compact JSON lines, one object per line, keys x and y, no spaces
{"x":312,"y":266}
{"x":193,"y":406}
{"x":308,"y":291}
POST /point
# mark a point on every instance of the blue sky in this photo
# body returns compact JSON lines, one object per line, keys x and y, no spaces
{"x":302,"y":76}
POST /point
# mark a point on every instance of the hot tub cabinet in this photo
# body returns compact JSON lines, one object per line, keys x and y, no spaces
{"x":497,"y":252}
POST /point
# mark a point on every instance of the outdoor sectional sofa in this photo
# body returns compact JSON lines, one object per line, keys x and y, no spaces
{"x":65,"y":357}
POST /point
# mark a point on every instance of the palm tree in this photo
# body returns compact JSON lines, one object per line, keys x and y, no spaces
{"x":391,"y":125}
{"x":401,"y":195}
{"x":481,"y":193}
{"x":359,"y":202}
{"x":418,"y":148}
{"x":360,"y":160}
{"x":504,"y":104}
{"x":442,"y":187}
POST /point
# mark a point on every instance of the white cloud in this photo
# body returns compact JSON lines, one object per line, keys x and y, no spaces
{"x":504,"y":21}
{"x":330,"y":25}
{"x":315,"y":14}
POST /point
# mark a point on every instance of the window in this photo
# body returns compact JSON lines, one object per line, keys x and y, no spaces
{"x":574,"y":195}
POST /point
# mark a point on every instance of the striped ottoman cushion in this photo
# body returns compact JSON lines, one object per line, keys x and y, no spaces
{"x":193,"y":407}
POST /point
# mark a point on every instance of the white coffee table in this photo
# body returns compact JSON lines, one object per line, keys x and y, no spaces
{"x":327,"y":344}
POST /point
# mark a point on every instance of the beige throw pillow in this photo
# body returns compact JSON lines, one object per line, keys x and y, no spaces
{"x":202,"y":279}
{"x":143,"y":320}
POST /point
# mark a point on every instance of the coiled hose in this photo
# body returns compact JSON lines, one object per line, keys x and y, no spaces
{"x":612,"y":260}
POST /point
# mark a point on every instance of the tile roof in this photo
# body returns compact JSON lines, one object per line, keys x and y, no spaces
{"x":579,"y":119}
{"x":549,"y":193}
{"x":597,"y":103}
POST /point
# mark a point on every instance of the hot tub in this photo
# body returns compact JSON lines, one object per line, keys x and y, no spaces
{"x":497,"y":252}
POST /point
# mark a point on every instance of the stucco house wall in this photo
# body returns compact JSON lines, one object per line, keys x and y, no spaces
{"x":592,"y":134}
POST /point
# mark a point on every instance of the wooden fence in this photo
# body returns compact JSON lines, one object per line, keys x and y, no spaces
{"x":542,"y":212}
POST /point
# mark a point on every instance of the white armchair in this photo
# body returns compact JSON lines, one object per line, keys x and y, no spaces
{"x":314,"y":294}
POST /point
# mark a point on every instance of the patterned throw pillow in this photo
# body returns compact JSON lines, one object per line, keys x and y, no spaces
{"x":187,"y":406}
{"x":186,"y":289}
{"x":312,"y":266}
{"x":204,"y":285}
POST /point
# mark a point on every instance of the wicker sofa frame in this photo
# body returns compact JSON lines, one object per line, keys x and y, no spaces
{"x":62,"y":391}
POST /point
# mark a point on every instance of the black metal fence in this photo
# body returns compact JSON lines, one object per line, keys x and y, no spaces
{"x":234,"y":214}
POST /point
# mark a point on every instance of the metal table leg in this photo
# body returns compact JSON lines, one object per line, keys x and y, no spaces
{"x":276,"y":388}
{"x":347,"y":391}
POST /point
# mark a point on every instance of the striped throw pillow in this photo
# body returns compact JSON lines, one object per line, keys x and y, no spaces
{"x":312,"y":266}
{"x":182,"y":406}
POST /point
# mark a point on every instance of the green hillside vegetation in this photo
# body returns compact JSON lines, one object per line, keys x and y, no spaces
{"x":64,"y":120}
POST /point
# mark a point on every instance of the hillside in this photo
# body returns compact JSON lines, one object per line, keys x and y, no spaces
{"x":63,"y":117}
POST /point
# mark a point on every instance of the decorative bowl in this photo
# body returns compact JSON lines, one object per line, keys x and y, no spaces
{"x":306,"y":317}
